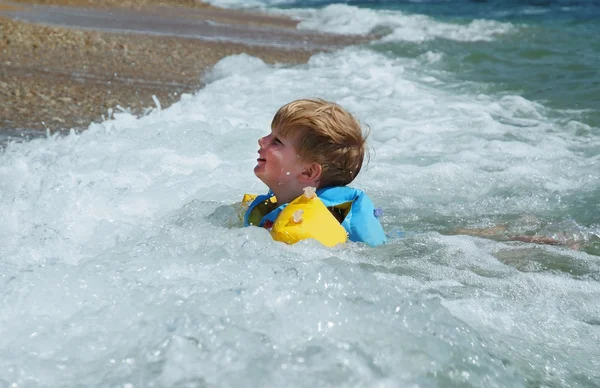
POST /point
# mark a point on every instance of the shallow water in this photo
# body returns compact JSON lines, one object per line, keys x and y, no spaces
{"x":118,"y":267}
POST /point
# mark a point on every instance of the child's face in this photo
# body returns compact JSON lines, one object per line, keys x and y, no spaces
{"x":278,"y":163}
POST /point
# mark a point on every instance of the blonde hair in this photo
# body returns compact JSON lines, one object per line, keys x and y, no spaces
{"x":325,"y":133}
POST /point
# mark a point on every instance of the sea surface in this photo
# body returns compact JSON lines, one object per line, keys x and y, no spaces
{"x":121,"y":263}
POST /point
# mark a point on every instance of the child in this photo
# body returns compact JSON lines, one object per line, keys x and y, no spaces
{"x":314,"y":143}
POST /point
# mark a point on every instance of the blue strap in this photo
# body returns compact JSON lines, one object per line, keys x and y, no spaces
{"x":361,"y":222}
{"x":271,"y":216}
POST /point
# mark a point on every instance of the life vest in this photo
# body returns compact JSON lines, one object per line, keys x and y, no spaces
{"x":322,"y":217}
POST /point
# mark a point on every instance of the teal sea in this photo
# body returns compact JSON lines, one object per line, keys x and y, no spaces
{"x":122,"y":262}
{"x":551,"y":57}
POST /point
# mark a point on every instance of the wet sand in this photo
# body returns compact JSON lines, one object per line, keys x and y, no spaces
{"x":64,"y":66}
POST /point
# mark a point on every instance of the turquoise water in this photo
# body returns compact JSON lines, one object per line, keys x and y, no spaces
{"x":553,"y":57}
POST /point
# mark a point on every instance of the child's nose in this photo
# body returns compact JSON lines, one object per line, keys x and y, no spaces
{"x":261,"y":140}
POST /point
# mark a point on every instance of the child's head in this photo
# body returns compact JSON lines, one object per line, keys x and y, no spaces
{"x":312,"y":142}
{"x":325,"y":133}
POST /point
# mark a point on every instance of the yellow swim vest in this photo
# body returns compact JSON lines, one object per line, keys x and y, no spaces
{"x":307,"y":217}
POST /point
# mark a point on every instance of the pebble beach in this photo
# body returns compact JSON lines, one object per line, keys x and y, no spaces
{"x":61,"y":77}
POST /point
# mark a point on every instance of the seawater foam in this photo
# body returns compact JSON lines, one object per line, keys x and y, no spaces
{"x":396,"y":25}
{"x":113,"y":273}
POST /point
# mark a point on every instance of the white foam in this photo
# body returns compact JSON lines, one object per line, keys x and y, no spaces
{"x":113,"y":273}
{"x":395,"y":25}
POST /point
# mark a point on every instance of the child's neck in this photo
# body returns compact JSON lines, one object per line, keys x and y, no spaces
{"x":287,"y":196}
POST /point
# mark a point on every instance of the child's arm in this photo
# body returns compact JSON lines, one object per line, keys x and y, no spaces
{"x":498,"y":232}
{"x":231,"y":216}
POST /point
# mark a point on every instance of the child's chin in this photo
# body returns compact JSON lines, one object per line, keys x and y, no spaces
{"x":259,"y":174}
{"x":258,"y":171}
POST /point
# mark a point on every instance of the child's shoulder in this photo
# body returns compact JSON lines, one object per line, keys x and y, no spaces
{"x":360,"y":217}
{"x":339,"y":194}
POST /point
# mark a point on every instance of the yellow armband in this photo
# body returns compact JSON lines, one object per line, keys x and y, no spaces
{"x":307,"y":217}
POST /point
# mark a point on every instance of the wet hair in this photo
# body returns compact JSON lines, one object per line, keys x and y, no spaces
{"x":325,"y":133}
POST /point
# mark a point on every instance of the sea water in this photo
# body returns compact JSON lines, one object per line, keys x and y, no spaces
{"x":119,"y":265}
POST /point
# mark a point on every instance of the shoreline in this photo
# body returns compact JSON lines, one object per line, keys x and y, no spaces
{"x":56,"y":78}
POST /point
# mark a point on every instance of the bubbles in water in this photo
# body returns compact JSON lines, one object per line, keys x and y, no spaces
{"x":122,"y":261}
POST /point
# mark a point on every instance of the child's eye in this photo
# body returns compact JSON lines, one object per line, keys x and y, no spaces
{"x":276,"y":140}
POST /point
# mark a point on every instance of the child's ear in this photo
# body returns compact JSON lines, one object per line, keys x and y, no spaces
{"x":312,"y":172}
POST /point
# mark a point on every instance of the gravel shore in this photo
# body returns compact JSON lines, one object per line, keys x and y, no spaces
{"x":57,"y":78}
